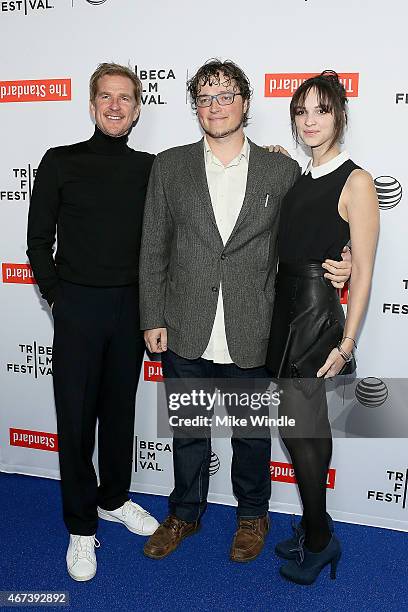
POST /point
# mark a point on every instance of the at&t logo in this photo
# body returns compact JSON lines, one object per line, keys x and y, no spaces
{"x":92,"y":2}
{"x":371,"y":392}
{"x":214,"y":464}
{"x":389,"y":191}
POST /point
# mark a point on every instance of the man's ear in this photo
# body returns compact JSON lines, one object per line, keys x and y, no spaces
{"x":137,"y":112}
{"x":92,"y":108}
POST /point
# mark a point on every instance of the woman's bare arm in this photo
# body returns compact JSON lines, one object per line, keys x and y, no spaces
{"x":360,"y":204}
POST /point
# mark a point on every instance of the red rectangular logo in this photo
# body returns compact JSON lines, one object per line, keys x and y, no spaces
{"x":18,"y":273}
{"x":153,"y":371}
{"x":284,"y":84}
{"x":284,"y":472}
{"x":43,"y":90}
{"x":343,"y":294}
{"x":39,"y":440}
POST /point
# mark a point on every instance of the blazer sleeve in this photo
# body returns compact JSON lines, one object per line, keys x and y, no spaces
{"x":41,"y":230}
{"x":157,"y":236}
{"x":296,"y":173}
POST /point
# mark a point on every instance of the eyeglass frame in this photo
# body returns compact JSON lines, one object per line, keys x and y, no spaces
{"x":233,"y":93}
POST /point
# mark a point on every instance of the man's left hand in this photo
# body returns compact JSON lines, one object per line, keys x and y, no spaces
{"x":338,"y":272}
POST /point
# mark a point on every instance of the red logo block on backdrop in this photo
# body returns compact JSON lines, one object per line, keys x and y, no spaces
{"x":40,"y":440}
{"x":283,"y":85}
{"x":44,"y":90}
{"x":284,"y":472}
{"x":18,"y":273}
{"x":343,"y":294}
{"x":153,"y":371}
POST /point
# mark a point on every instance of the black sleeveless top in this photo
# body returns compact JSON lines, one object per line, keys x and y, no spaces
{"x":310,"y":227}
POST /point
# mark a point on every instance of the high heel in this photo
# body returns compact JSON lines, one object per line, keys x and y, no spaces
{"x":287,"y":549}
{"x":333,"y":566}
{"x":309,"y":564}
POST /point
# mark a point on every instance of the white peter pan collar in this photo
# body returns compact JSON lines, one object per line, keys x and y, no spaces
{"x":328,"y":167}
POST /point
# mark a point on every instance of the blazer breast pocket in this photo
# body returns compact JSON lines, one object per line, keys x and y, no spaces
{"x":267,"y":208}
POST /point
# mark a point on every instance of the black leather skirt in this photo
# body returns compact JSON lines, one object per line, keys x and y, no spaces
{"x":304,"y":303}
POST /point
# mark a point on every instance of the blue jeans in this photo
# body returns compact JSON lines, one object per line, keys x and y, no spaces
{"x":250,"y":471}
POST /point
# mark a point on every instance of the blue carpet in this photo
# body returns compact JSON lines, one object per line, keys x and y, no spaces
{"x":372,"y":574}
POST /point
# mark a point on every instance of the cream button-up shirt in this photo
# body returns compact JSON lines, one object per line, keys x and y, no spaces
{"x":227,"y":185}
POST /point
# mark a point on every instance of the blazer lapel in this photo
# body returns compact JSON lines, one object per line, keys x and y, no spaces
{"x":256,"y":171}
{"x":196,"y":165}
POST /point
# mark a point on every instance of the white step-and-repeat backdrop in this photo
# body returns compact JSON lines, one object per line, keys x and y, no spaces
{"x":49,"y":48}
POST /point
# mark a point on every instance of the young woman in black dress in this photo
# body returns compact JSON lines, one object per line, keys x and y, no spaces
{"x":333,"y":201}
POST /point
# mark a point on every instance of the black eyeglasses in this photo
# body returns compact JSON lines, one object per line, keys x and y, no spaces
{"x":224,"y":99}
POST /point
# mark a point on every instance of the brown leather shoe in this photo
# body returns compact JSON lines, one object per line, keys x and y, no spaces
{"x":249,"y":538}
{"x":168,"y":536}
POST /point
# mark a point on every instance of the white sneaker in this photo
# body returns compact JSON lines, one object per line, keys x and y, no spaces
{"x":81,"y":558}
{"x":133,"y":516}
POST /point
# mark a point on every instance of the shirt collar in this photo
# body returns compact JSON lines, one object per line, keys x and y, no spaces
{"x":328,"y":167}
{"x":209,"y":155}
{"x":108,"y":145}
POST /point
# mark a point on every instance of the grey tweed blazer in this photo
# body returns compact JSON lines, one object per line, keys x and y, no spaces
{"x":183,"y":259}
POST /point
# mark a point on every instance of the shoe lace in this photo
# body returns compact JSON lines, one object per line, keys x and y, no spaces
{"x":83,"y":545}
{"x":137,"y":511}
{"x":299,"y":550}
{"x":294,"y":525}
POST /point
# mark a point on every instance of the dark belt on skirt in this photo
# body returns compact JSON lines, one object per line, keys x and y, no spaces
{"x":306,"y":270}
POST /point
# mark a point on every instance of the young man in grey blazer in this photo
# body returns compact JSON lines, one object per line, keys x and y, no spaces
{"x":207,"y":273}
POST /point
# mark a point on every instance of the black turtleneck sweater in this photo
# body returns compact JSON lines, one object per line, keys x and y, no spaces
{"x":92,"y":195}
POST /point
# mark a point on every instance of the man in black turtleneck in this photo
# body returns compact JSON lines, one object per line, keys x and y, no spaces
{"x":91,"y":194}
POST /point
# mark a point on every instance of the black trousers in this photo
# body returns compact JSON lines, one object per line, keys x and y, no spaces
{"x":250,"y":471}
{"x":97,"y":354}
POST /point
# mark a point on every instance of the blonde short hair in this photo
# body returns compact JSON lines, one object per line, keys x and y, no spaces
{"x":116,"y":69}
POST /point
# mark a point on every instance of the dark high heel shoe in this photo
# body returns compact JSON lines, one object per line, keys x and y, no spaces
{"x":287,"y":549}
{"x":309,"y":565}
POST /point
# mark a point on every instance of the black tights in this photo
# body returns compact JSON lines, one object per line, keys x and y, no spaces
{"x":310,"y":447}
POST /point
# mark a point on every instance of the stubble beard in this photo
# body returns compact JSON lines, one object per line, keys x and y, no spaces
{"x":226,"y":132}
{"x":123,"y":132}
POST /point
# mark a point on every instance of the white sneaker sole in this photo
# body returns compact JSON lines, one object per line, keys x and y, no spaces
{"x":81,"y":578}
{"x":108,"y":517}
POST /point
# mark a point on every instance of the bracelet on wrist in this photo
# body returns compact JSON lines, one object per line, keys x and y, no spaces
{"x":346,"y":356}
{"x":348,"y":338}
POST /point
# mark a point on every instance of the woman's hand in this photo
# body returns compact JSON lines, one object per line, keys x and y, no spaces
{"x":277,"y":149}
{"x":332,"y":366}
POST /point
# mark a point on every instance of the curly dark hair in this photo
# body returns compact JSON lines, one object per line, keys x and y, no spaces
{"x":332,"y":98}
{"x":216,"y":72}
